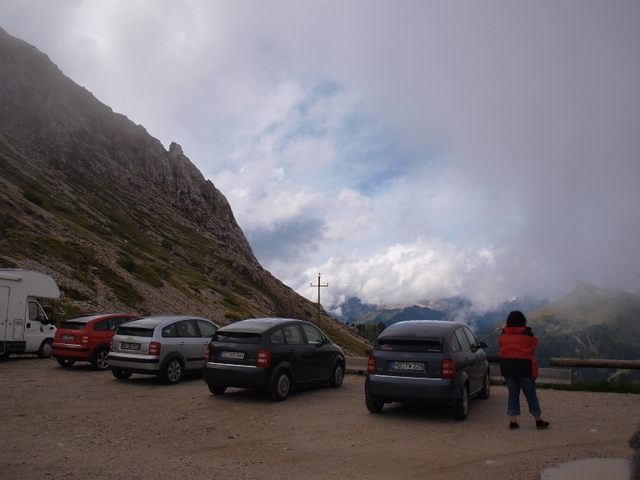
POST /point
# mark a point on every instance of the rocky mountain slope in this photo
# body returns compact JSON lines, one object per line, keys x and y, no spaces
{"x":121,"y":223}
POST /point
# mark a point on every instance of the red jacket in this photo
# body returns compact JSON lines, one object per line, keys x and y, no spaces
{"x":518,"y":352}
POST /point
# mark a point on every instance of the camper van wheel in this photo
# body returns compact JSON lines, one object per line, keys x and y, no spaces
{"x":4,"y":356}
{"x":65,"y":363}
{"x":45,"y":349}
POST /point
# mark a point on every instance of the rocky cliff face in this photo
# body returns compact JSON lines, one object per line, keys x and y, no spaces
{"x":121,"y":223}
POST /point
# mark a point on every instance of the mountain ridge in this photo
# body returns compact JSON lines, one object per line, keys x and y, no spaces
{"x":92,"y":199}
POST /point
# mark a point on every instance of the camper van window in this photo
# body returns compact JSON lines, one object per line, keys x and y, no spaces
{"x":36,"y":313}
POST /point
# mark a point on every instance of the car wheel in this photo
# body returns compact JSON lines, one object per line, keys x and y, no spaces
{"x":4,"y":356}
{"x":337,"y":376}
{"x":374,"y":406}
{"x":172,"y":372}
{"x":121,"y":374}
{"x":217,"y":389}
{"x":65,"y":363}
{"x":461,"y":408}
{"x":100,"y":359}
{"x":486,"y":388}
{"x":280,"y":386}
{"x":45,"y":349}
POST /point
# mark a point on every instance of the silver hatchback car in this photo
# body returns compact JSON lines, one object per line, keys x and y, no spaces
{"x":167,"y":346}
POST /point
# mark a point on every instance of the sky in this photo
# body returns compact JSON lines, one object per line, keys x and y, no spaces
{"x":405,"y":150}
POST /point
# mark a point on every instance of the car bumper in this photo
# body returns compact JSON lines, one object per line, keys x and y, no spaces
{"x":388,"y":388}
{"x":149,"y":364}
{"x":240,"y":376}
{"x":65,"y":351}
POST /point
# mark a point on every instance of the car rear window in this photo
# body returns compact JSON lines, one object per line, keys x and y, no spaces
{"x":73,"y":325}
{"x":420,"y":344}
{"x":135,"y":331}
{"x":236,"y":337}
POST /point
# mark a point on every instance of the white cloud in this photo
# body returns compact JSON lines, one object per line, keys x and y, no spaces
{"x":488,"y":150}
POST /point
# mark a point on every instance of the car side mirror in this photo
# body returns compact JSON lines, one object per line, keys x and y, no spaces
{"x":483,"y":345}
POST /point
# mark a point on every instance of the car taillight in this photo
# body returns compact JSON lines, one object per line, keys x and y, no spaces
{"x":264,"y":358}
{"x":371,"y":365}
{"x":154,"y":348}
{"x":111,"y":346}
{"x":85,"y":339}
{"x":207,"y":354}
{"x":448,"y":368}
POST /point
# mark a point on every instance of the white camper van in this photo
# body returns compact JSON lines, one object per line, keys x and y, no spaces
{"x":24,"y":327}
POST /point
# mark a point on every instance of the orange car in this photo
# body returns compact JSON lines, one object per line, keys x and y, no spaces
{"x":87,"y":339}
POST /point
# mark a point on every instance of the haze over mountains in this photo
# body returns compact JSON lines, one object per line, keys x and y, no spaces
{"x":588,"y":322}
{"x":121,"y":223}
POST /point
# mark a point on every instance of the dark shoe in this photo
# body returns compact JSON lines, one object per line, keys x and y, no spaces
{"x":514,"y":425}
{"x":540,"y":424}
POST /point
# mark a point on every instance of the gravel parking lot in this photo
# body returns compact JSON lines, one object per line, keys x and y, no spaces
{"x":77,"y":423}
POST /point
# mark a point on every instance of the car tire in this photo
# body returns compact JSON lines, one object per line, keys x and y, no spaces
{"x":217,"y":389}
{"x":280,"y":386}
{"x":337,"y":375}
{"x":99,"y":360}
{"x":461,"y":408}
{"x":486,"y":388}
{"x":4,"y":356}
{"x":172,"y":372}
{"x":64,"y":362}
{"x":374,"y":406}
{"x":121,"y":374}
{"x":45,"y":349}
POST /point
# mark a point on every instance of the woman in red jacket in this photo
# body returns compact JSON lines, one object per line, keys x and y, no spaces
{"x":519,"y":368}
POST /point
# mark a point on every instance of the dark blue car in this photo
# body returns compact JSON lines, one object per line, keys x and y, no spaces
{"x":430,"y":362}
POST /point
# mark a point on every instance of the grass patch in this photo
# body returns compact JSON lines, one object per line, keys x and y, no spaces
{"x":122,"y":289}
{"x":151,"y":275}
{"x":128,"y":263}
{"x":33,"y":197}
{"x":233,"y":317}
{"x":73,"y":294}
{"x":603,"y":386}
{"x":230,"y":300}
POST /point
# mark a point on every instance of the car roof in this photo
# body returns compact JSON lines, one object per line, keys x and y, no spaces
{"x":99,"y":316}
{"x":155,"y":321}
{"x":419,"y":328}
{"x":258,"y":325}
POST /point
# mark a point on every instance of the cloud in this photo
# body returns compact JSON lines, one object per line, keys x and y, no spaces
{"x":405,"y":151}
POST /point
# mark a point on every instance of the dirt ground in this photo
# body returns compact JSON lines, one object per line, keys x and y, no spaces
{"x":77,"y":423}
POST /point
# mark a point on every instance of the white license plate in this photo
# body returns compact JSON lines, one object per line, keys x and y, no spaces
{"x":412,"y":366}
{"x":129,"y":346}
{"x":68,"y":337}
{"x":234,"y":355}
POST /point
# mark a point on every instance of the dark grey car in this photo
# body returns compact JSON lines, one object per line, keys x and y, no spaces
{"x":272,"y":354}
{"x":427,"y":361}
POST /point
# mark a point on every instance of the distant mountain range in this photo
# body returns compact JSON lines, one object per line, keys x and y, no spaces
{"x":588,"y":322}
{"x":354,"y":312}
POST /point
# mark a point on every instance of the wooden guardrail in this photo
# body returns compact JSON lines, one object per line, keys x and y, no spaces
{"x":546,"y":376}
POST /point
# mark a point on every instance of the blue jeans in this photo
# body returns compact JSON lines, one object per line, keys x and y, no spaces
{"x":528,"y":387}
